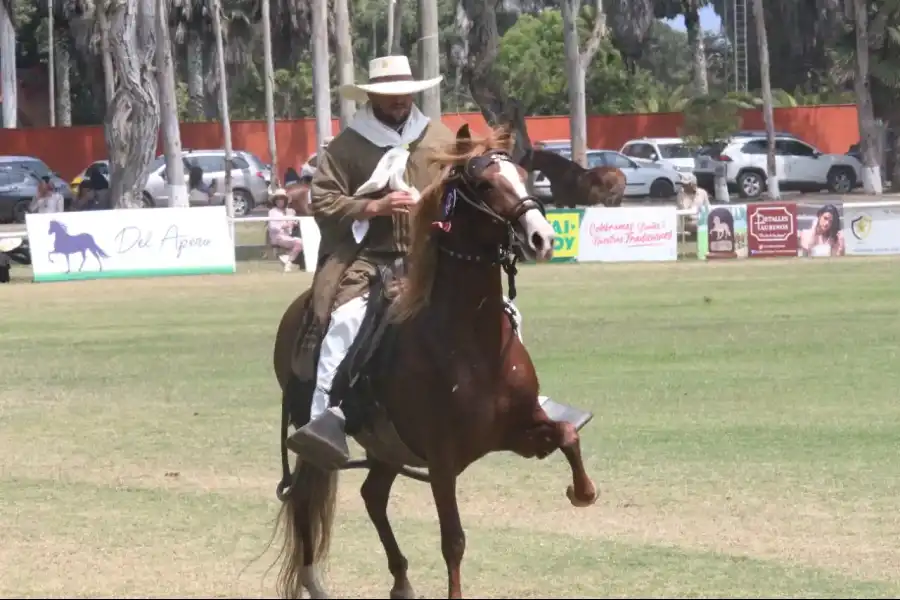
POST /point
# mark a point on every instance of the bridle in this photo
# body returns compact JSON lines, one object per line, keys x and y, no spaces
{"x":466,"y":183}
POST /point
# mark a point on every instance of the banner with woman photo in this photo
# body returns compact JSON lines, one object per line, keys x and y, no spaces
{"x":820,"y":230}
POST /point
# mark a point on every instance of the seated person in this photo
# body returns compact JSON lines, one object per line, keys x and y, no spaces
{"x":198,"y":190}
{"x":280,"y":232}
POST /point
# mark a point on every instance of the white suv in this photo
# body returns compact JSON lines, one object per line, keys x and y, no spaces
{"x":800,"y":166}
{"x":670,"y":152}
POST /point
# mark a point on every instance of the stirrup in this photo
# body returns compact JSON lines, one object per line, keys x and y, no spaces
{"x":323,"y":441}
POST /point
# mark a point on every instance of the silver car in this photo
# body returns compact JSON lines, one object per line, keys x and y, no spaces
{"x":249,"y":179}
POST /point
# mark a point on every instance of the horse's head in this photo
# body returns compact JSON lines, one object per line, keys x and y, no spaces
{"x":484,"y":199}
{"x":55,"y":226}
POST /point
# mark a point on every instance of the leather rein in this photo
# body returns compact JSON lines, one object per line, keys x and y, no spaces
{"x":466,"y":184}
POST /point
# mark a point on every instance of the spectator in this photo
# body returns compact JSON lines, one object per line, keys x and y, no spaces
{"x":281,"y":231}
{"x":693,"y":198}
{"x":199,"y":191}
{"x":93,"y":192}
{"x":47,"y":200}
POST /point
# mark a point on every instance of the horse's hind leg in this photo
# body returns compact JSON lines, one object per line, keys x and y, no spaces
{"x":376,"y":491}
{"x":582,"y":492}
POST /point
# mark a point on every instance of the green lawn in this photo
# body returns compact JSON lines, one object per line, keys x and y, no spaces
{"x":746,"y":439}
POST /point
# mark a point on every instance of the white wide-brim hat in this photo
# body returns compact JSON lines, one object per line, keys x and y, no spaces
{"x":388,"y":76}
{"x":278,"y":193}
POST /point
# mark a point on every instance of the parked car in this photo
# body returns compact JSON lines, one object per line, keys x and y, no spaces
{"x":18,"y":186}
{"x":642,"y":178}
{"x":670,"y":152}
{"x":249,"y":179}
{"x":40,"y":169}
{"x":800,"y":166}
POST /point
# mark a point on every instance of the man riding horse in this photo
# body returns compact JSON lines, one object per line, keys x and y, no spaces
{"x":366,"y":182}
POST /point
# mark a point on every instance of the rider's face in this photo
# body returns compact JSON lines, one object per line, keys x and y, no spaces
{"x":391,"y":110}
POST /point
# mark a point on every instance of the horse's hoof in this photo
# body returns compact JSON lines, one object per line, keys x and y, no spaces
{"x":582,"y":500}
{"x":403,"y":592}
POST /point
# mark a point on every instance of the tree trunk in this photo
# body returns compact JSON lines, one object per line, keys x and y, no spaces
{"x":109,"y":74}
{"x":768,"y":111}
{"x":698,"y":52}
{"x":168,"y":110}
{"x":487,"y":89}
{"x":868,"y":129}
{"x":430,"y":55}
{"x":8,"y":88}
{"x":194,"y":68}
{"x":51,"y":65}
{"x":132,"y":118}
{"x":575,"y":76}
{"x":396,"y":37}
{"x":223,"y":105}
{"x":210,"y":80}
{"x":63,"y":84}
{"x":344,"y":58}
{"x":321,"y":80}
{"x":269,"y":78}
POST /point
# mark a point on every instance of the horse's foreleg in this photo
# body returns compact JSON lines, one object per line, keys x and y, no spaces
{"x":582,"y":492}
{"x":453,"y":538}
{"x":376,"y":491}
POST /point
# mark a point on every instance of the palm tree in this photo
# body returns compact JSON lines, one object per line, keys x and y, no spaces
{"x":768,"y":111}
{"x":193,"y":23}
{"x":868,"y":129}
{"x":629,"y":23}
{"x":690,"y":9}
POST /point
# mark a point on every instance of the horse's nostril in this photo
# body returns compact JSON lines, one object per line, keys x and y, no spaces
{"x":537,"y":241}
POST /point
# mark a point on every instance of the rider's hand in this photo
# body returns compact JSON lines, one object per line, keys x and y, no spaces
{"x":394,"y":202}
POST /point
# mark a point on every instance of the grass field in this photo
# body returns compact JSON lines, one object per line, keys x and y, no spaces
{"x":746,"y":439}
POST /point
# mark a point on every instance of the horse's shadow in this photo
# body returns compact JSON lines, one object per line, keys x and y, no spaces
{"x":81,"y":243}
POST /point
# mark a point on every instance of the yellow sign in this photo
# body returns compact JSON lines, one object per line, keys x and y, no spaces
{"x":566,"y":224}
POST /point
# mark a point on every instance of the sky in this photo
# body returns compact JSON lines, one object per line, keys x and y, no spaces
{"x":709,"y":20}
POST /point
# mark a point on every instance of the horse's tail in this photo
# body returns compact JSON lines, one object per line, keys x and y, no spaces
{"x":307,"y":516}
{"x":97,"y":250}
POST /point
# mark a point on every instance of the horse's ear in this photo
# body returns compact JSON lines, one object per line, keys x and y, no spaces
{"x":463,"y":134}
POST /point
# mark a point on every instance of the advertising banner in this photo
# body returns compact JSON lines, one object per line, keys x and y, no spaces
{"x":772,"y":229}
{"x":634,"y":233}
{"x":871,"y":231}
{"x":820,"y":230}
{"x":566,"y":224}
{"x":722,"y":231}
{"x":130,"y":243}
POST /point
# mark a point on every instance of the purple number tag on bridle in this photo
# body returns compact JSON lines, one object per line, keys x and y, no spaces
{"x":448,"y":205}
{"x":449,"y":202}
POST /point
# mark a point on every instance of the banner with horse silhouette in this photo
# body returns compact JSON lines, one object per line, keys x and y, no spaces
{"x":722,"y":232}
{"x":130,"y":243}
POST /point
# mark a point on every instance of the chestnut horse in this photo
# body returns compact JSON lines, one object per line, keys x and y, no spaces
{"x":455,"y":379}
{"x":571,"y":184}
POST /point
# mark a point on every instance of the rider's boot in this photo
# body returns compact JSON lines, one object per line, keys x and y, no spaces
{"x":323,"y":441}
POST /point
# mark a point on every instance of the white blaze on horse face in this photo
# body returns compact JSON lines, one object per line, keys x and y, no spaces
{"x":538,"y":230}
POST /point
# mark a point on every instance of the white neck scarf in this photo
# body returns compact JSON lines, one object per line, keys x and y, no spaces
{"x":390,"y":169}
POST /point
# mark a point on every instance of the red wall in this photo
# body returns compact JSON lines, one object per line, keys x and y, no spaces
{"x":68,"y":150}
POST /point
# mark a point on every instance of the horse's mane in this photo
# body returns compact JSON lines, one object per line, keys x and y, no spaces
{"x":417,"y":285}
{"x":61,"y":225}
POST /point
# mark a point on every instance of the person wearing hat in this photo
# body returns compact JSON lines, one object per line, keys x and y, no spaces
{"x":365,"y":183}
{"x":281,"y":229}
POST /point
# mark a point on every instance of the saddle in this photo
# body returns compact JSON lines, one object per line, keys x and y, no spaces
{"x":357,"y":381}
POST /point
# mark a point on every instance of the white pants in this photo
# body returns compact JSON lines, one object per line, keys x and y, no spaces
{"x":346,"y":321}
